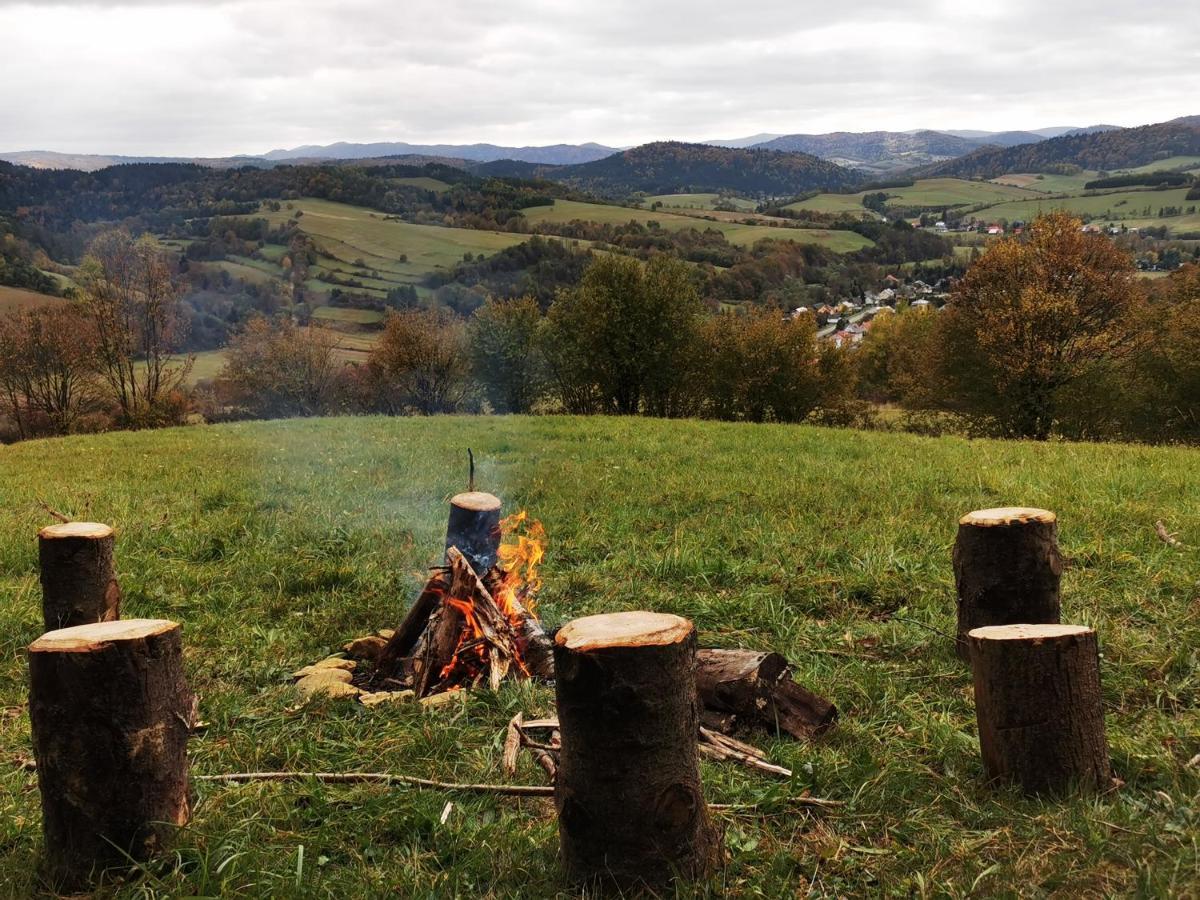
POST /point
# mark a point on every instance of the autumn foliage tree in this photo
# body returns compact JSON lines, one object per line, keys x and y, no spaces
{"x":47,"y":369}
{"x":129,"y":295}
{"x":421,"y":362}
{"x":275,"y":368}
{"x":1034,"y":316}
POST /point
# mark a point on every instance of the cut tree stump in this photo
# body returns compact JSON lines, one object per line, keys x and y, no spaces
{"x":78,"y":583}
{"x":474,"y":528}
{"x":753,"y":688}
{"x":111,"y":713}
{"x":1037,"y":701}
{"x":1006,"y":569}
{"x":630,"y":807}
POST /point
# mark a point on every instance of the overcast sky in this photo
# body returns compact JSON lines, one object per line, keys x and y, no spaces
{"x":245,"y":76}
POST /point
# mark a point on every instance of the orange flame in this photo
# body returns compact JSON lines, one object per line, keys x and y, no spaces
{"x":515,"y":595}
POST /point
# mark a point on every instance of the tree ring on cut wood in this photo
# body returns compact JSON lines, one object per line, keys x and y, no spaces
{"x":1008,"y":515}
{"x":624,"y":629}
{"x":94,"y":530}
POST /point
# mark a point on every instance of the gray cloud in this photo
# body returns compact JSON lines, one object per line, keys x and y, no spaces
{"x":248,"y":75}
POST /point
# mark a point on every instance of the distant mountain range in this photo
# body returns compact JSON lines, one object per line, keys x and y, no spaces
{"x":763,"y":164}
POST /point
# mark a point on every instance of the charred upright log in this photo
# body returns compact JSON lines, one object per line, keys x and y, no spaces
{"x":1006,"y":569}
{"x":755,"y":688}
{"x":474,"y":528}
{"x":628,"y":792}
{"x":79,"y":586}
{"x":1037,"y":700}
{"x":111,"y":713}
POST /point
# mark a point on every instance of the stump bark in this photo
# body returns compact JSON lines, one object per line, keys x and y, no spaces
{"x":111,"y":713}
{"x":79,"y":586}
{"x":630,"y":807}
{"x":1007,"y":569}
{"x":1037,"y":701}
{"x":474,"y":528}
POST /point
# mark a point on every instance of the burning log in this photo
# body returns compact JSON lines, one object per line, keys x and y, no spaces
{"x":78,"y":584}
{"x":1006,"y":569}
{"x":405,"y":639}
{"x":744,"y":687}
{"x":111,"y":714}
{"x":474,"y":528}
{"x":628,"y":790}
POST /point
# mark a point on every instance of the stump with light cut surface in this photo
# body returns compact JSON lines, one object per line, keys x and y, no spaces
{"x":111,"y":713}
{"x":1037,"y":701}
{"x":79,"y":586}
{"x":1006,"y":569}
{"x":628,"y":794}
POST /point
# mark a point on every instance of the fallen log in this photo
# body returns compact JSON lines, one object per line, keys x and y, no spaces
{"x":756,"y":689}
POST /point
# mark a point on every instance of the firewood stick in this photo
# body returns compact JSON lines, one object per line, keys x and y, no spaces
{"x":715,"y":750}
{"x":512,"y":745}
{"x":515,"y":790}
{"x":405,"y":638}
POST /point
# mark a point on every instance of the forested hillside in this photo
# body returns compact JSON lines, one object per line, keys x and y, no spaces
{"x":1105,"y":150}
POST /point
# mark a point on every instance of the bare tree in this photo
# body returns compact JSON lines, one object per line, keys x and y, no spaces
{"x":131,"y":298}
{"x":275,"y":368}
{"x":47,"y":368}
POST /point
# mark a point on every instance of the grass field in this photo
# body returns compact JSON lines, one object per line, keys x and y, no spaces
{"x":349,"y":315}
{"x":424,"y":182}
{"x":699,"y":201}
{"x":736,"y":233}
{"x":931,"y":193}
{"x":12,"y":299}
{"x":348,"y":233}
{"x":1044,"y":183}
{"x":1119,"y":206}
{"x":275,"y":542}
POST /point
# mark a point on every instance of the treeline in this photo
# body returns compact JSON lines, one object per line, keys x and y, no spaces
{"x":1052,"y":335}
{"x":632,"y":339}
{"x":1148,"y":179}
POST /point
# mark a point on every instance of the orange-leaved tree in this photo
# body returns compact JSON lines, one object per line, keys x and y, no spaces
{"x":1035,"y":315}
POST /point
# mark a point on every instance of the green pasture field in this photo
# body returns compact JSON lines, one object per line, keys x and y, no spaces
{"x":352,"y":232}
{"x":12,"y":299}
{"x":931,"y":193}
{"x":736,"y":233}
{"x":1045,"y":183}
{"x":699,"y":201}
{"x":1171,"y":163}
{"x":349,"y":315}
{"x":1118,"y":206}
{"x":274,"y":543}
{"x":424,"y":182}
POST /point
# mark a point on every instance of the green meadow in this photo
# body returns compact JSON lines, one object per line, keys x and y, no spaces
{"x":931,"y":193}
{"x":273,"y":543}
{"x":700,"y":201}
{"x":563,"y":211}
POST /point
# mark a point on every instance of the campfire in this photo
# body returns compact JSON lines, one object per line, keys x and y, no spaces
{"x":474,"y":622}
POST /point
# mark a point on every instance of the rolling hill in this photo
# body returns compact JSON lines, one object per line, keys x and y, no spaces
{"x":878,"y":151}
{"x":1098,"y":150}
{"x":670,"y":167}
{"x":554,"y":154}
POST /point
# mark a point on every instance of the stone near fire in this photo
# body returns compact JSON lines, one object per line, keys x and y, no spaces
{"x":380,"y":698}
{"x":368,"y":647}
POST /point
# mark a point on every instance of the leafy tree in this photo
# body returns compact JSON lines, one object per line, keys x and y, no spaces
{"x":1034,"y":316}
{"x":760,"y":366}
{"x":504,"y":351}
{"x":897,"y":360}
{"x":624,"y":340}
{"x":47,"y":368}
